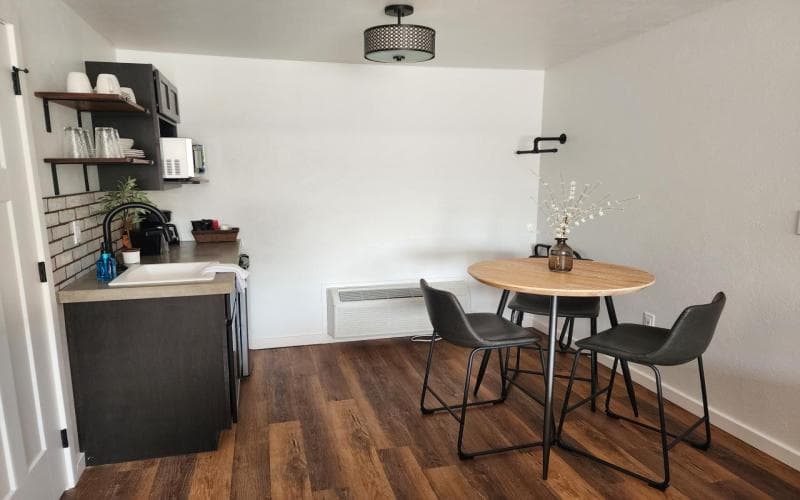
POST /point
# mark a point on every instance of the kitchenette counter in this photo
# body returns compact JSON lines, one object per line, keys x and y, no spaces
{"x":88,"y":289}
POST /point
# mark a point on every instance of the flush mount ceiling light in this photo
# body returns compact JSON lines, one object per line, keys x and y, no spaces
{"x":399,"y":43}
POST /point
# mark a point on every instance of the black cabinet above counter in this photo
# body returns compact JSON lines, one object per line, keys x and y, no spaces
{"x":160,"y":98}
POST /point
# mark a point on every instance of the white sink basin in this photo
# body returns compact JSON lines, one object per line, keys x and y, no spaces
{"x":164,"y":274}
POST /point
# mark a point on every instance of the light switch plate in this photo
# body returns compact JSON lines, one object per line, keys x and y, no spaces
{"x":648,"y":319}
{"x":797,"y":231}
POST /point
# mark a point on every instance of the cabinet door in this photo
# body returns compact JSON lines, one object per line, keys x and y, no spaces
{"x":167,"y":96}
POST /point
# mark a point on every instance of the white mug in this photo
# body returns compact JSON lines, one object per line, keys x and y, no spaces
{"x":107,"y":84}
{"x":78,"y":82}
{"x":131,"y":256}
{"x":128,"y":94}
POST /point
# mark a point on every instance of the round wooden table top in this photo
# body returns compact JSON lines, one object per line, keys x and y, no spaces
{"x":588,"y":278}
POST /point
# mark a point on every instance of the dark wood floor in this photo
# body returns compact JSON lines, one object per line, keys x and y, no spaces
{"x":342,"y":420}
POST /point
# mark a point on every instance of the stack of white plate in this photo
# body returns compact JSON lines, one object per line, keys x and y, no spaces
{"x":133,"y":153}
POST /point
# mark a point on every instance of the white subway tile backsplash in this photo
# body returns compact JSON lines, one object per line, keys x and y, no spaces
{"x":51,"y":219}
{"x":54,"y":204}
{"x":67,"y":257}
{"x":73,"y":268}
{"x":66,"y":215}
{"x":63,"y":259}
{"x":59,"y":232}
{"x":81,"y":212}
{"x":59,"y":275}
{"x":56,"y":247}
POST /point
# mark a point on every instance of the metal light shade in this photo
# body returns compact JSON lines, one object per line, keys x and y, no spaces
{"x":398,"y":43}
{"x":391,"y":43}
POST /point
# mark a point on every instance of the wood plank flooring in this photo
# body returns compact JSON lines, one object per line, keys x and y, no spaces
{"x":343,"y":421}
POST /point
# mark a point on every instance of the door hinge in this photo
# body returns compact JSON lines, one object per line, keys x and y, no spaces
{"x":42,"y":273}
{"x":15,"y":79}
{"x":64,"y":439}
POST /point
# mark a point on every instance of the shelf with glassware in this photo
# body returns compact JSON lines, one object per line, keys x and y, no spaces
{"x":88,"y":102}
{"x":89,"y":161}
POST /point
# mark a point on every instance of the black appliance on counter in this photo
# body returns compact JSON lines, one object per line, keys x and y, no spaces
{"x":150,"y":236}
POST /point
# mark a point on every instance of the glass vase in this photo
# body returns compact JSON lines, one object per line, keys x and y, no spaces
{"x":561,"y":256}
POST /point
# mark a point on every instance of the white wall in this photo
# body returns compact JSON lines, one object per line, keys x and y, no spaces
{"x":701,"y":118}
{"x":342,"y":173}
{"x":54,"y":42}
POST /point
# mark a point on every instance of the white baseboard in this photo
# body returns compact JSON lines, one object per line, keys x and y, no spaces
{"x":768,"y":444}
{"x":319,"y":338}
{"x":80,"y":466}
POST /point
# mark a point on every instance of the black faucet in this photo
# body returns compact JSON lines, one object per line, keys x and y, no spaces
{"x":143,"y":206}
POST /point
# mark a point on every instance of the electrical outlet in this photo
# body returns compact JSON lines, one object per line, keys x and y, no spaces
{"x":648,"y":319}
{"x":76,"y":232}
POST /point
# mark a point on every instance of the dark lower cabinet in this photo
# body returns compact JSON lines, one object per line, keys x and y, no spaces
{"x":150,"y":377}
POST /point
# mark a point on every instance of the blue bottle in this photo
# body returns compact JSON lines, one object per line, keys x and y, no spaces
{"x":106,"y":266}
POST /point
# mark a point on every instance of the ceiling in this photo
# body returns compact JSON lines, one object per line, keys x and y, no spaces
{"x":531,"y":34}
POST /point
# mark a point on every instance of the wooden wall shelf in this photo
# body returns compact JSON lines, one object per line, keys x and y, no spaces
{"x":191,"y":180}
{"x":88,"y":102}
{"x":98,"y":161}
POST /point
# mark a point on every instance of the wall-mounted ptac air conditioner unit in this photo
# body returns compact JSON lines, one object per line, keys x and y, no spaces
{"x":394,"y":310}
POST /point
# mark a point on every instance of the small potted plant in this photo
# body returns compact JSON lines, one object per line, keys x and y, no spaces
{"x":127,"y":192}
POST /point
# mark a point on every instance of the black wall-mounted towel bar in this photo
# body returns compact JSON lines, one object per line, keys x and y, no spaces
{"x":561,"y":139}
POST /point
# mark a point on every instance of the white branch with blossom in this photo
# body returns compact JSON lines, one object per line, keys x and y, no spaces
{"x":573,"y":208}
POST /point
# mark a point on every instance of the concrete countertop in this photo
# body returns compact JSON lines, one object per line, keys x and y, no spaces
{"x":88,"y":289}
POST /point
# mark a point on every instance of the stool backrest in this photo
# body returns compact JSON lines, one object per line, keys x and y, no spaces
{"x":447,"y":316}
{"x":691,"y":333}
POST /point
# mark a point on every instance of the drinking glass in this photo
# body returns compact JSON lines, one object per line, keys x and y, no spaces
{"x":86,"y":134}
{"x":106,"y":143}
{"x":74,"y":145}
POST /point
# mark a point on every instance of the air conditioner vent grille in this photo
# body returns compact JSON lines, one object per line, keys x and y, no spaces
{"x":379,"y":294}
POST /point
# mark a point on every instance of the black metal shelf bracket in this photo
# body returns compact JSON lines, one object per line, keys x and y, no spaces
{"x":47,"y":123}
{"x":561,"y":139}
{"x":15,"y":71}
{"x":54,"y":174}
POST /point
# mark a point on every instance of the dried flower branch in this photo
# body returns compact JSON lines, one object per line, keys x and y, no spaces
{"x":574,"y":207}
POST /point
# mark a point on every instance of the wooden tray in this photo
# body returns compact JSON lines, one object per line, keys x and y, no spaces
{"x":218,"y":236}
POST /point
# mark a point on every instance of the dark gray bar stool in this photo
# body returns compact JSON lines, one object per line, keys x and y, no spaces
{"x":687,"y":340}
{"x":478,"y":332}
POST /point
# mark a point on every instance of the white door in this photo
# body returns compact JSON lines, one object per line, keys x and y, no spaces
{"x":31,"y":458}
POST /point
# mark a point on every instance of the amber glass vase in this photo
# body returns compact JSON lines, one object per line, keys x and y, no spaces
{"x":561,"y":256}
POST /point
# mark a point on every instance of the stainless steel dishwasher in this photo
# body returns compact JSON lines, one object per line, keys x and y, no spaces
{"x":244,"y":323}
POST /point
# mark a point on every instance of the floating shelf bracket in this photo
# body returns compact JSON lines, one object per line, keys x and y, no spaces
{"x":561,"y":139}
{"x":54,"y":174}
{"x":47,"y":123}
{"x":88,"y":161}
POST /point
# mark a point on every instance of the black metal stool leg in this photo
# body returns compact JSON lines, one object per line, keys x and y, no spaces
{"x":707,"y":443}
{"x":593,"y":332}
{"x":662,"y":429}
{"x":565,"y":406}
{"x":482,"y":371}
{"x":427,"y":374}
{"x":565,"y":339}
{"x":503,"y":374}
{"x":463,"y":419}
{"x":611,"y":386}
{"x":626,"y":372}
{"x":663,"y":425}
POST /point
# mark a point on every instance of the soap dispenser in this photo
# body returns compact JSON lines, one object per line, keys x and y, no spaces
{"x":106,"y":266}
